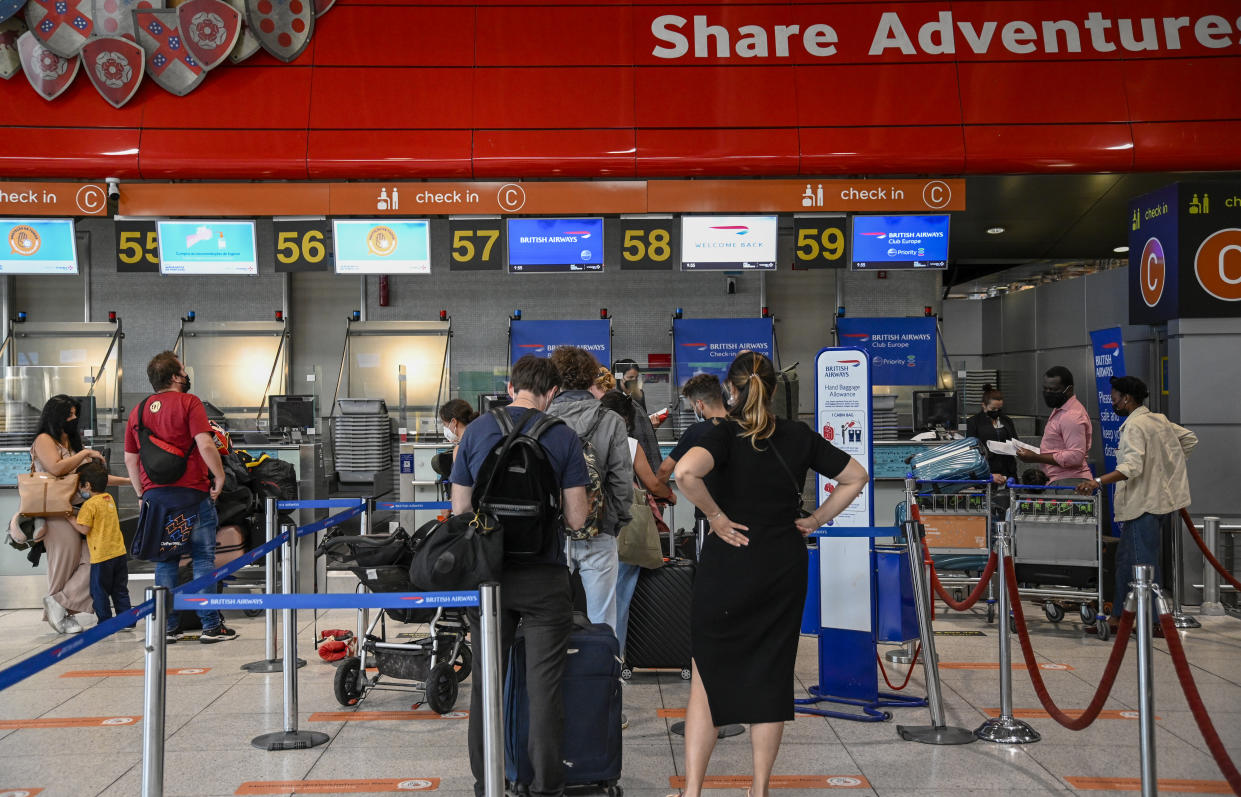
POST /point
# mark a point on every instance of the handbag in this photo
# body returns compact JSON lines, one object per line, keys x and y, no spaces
{"x":45,"y":495}
{"x":459,"y":553}
{"x":163,"y":462}
{"x":638,"y":540}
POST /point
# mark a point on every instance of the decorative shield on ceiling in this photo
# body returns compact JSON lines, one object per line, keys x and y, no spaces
{"x":49,"y":73}
{"x":63,"y":26}
{"x":10,"y":7}
{"x":10,"y":31}
{"x":115,"y":66}
{"x":247,"y":45}
{"x":321,"y":7}
{"x":168,"y":61}
{"x":211,"y":28}
{"x":116,"y":17}
{"x":283,"y":27}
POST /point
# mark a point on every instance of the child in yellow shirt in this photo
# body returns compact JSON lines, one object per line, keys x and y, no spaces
{"x":98,"y":522}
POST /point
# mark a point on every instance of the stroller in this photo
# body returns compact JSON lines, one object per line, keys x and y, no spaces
{"x":435,"y":662}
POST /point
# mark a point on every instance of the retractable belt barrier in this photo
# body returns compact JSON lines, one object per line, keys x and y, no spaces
{"x":411,"y":506}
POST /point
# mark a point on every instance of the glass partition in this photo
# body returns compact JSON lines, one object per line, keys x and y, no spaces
{"x":236,"y":365}
{"x":45,"y":359}
{"x":405,"y":363}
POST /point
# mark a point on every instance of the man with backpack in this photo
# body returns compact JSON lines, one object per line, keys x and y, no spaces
{"x":544,"y":463}
{"x":605,"y":446}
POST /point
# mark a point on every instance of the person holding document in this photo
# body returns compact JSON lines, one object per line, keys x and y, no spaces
{"x":993,"y":425}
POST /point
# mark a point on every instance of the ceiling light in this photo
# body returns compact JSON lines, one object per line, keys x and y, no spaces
{"x":995,"y":230}
{"x":1120,"y":250}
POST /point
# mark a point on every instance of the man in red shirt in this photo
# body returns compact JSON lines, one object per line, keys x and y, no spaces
{"x":179,"y":419}
{"x":1066,"y":437}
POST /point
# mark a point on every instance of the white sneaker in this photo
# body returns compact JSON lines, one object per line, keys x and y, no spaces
{"x":55,"y":614}
{"x":70,"y":626}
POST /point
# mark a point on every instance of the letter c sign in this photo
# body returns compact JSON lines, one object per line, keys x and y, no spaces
{"x":1152,"y":272}
{"x":1217,"y":264}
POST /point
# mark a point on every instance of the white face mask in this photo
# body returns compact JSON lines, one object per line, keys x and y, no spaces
{"x":449,"y":434}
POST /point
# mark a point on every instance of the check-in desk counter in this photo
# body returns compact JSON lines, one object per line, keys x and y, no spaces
{"x":420,"y":482}
{"x":23,"y":586}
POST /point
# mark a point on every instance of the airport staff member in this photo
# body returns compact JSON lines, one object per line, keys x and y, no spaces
{"x":1066,"y":438}
{"x":1150,"y":478}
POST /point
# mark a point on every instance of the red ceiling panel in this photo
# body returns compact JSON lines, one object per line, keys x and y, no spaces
{"x":1042,"y":92}
{"x":383,"y":154}
{"x":268,"y":98}
{"x":694,"y":152}
{"x":882,"y":150}
{"x":412,"y":36}
{"x":878,"y":95}
{"x":1048,"y":148}
{"x":391,"y":98}
{"x":1177,"y":146}
{"x":575,"y":98}
{"x":223,"y":154}
{"x":69,"y":152}
{"x":80,"y":106}
{"x":1193,"y":88}
{"x":554,"y":153}
{"x":716,"y":96}
{"x":554,"y":36}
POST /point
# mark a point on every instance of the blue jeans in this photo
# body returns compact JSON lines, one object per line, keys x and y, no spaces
{"x":626,"y":583}
{"x":596,"y":560}
{"x":1139,"y":545}
{"x":202,"y":556}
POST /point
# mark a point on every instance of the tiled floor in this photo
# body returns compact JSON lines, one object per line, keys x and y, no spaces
{"x":212,"y":716}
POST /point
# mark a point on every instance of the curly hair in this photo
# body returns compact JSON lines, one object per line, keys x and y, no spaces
{"x":605,"y":381}
{"x":578,"y":368}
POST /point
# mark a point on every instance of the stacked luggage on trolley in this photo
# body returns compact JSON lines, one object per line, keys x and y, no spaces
{"x":434,"y":662}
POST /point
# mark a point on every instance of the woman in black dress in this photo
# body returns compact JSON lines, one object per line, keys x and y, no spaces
{"x":993,"y":424}
{"x":750,"y":586}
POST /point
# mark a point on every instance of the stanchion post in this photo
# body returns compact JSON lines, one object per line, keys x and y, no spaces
{"x":270,"y":661}
{"x":291,"y":738}
{"x":154,"y":692}
{"x":937,"y":732}
{"x":1142,"y":576}
{"x":1181,"y":619}
{"x":1005,"y":729}
{"x":489,"y":671}
{"x":1211,"y":605}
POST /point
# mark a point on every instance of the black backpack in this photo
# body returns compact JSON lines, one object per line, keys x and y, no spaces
{"x":517,"y":484}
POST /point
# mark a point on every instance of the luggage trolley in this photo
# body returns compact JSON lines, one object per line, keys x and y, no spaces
{"x":1058,"y":551}
{"x":434,"y":662}
{"x":958,"y":533}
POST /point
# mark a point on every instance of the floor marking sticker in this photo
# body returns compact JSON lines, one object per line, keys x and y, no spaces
{"x":959,"y":633}
{"x":69,"y":722}
{"x":778,"y":782}
{"x":363,"y":786}
{"x":679,"y":714}
{"x":1040,"y":714}
{"x":1165,"y":784}
{"x":113,"y":673}
{"x":985,"y":665}
{"x":31,"y":792}
{"x":370,"y":716}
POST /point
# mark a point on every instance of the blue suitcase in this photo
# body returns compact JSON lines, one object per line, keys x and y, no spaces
{"x":592,"y":717}
{"x":960,"y":459}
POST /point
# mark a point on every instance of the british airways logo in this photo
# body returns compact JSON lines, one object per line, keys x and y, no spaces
{"x":583,"y":234}
{"x":415,"y":599}
{"x":859,"y":335}
{"x":738,"y":229}
{"x":1112,"y":345}
{"x":854,"y":363}
{"x":696,"y":346}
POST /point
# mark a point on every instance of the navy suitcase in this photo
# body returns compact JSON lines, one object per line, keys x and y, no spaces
{"x":960,"y":459}
{"x":592,"y":717}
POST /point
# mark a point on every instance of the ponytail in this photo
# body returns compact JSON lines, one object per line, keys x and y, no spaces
{"x":754,"y":379}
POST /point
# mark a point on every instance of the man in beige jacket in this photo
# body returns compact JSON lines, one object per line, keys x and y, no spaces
{"x":1150,"y":478}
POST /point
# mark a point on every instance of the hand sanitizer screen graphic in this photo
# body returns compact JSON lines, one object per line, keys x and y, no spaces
{"x":382,"y":246}
{"x":207,"y":247}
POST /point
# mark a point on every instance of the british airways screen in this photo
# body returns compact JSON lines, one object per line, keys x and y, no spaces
{"x":552,"y":246}
{"x":892,"y":242}
{"x":728,"y":243}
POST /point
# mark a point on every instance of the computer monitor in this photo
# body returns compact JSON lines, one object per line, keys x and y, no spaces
{"x":934,"y":408}
{"x":291,"y":412}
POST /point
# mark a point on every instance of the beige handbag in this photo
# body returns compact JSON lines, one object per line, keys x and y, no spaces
{"x":45,"y":495}
{"x":638,"y":541}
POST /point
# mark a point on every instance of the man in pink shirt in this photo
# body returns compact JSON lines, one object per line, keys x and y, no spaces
{"x":1066,"y":438}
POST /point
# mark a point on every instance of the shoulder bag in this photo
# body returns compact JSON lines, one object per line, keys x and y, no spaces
{"x":638,"y":540}
{"x":163,"y":462}
{"x":801,"y":507}
{"x":45,"y":495}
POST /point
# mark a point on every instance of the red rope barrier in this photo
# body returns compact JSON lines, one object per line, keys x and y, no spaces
{"x":1210,"y":557}
{"x":974,"y":596}
{"x":883,"y":670}
{"x":1091,"y":713}
{"x":1196,"y":705}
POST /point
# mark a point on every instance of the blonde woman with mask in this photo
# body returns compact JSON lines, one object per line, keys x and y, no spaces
{"x":750,"y":585}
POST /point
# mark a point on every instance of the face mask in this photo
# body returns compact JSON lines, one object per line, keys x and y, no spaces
{"x":71,"y":427}
{"x":1055,"y":398}
{"x":84,"y":493}
{"x":1120,"y":412}
{"x":185,"y":385}
{"x":450,"y":435}
{"x":993,"y":414}
{"x":698,"y":416}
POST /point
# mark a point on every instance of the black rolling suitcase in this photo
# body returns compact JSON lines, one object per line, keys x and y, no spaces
{"x":592,"y":717}
{"x":659,"y":621}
